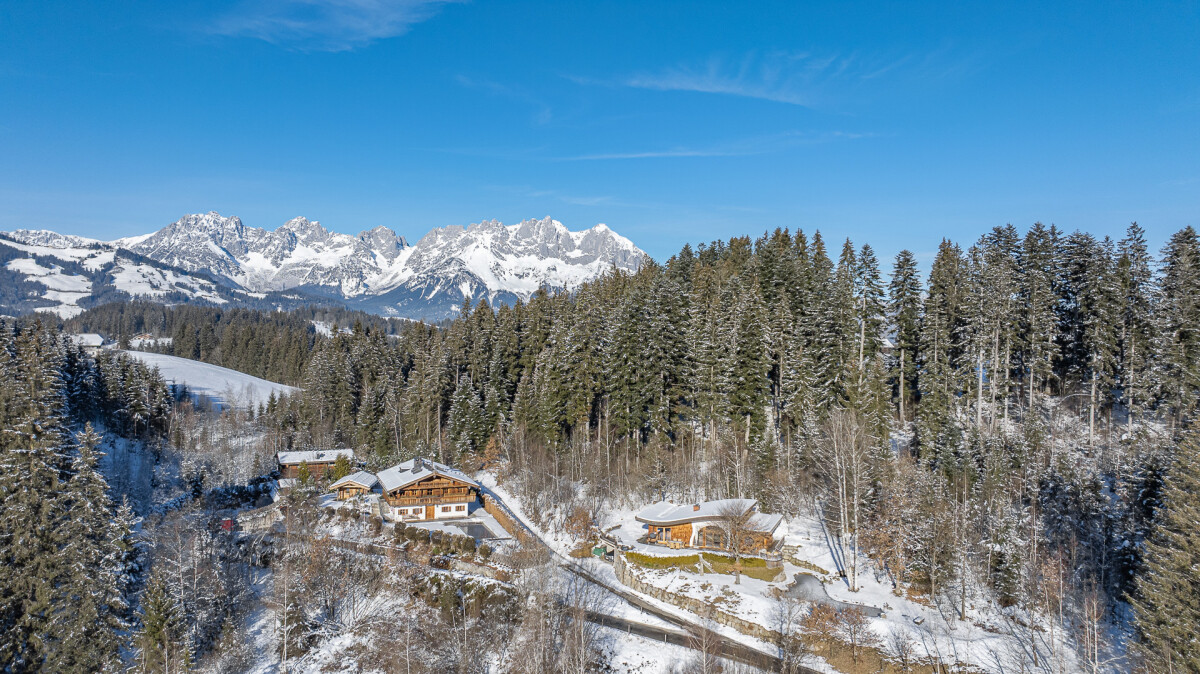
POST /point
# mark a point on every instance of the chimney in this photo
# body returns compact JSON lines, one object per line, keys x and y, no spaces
{"x":695,"y":507}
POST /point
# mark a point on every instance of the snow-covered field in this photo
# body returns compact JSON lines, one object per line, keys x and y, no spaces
{"x":66,"y":289}
{"x":145,"y":280}
{"x":219,"y":384}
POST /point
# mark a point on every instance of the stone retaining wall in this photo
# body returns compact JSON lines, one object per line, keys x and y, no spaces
{"x":630,"y":579}
{"x":790,"y":553}
{"x":505,"y":518}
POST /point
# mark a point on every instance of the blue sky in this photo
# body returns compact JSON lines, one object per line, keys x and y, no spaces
{"x":673,"y":122}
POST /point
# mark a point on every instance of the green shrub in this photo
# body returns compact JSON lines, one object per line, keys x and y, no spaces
{"x":652,"y":562}
{"x":747,"y":562}
{"x":485,"y":551}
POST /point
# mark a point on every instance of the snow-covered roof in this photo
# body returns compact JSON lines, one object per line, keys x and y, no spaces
{"x":764,"y":522}
{"x":411,"y":471}
{"x":665,"y":513}
{"x":87,"y":339}
{"x":362,"y":478}
{"x":313,"y":456}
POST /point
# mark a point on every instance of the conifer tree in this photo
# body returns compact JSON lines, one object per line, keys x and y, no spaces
{"x":1135,"y":280}
{"x":341,"y":468}
{"x":33,"y":451}
{"x":1167,"y":601}
{"x":161,"y":648}
{"x":88,"y":619}
{"x":1178,"y":314}
{"x":869,"y":309}
{"x":1037,"y":270}
{"x":904,"y":313}
{"x":941,"y":333}
{"x":748,"y":361}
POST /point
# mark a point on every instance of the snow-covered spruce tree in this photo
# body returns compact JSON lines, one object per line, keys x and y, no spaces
{"x":1135,"y":281}
{"x":1036,"y":270}
{"x":941,"y":332}
{"x":90,"y":616}
{"x":34,"y":449}
{"x":842,"y":318}
{"x":1167,"y":599}
{"x":666,"y":353}
{"x":1000,"y":275}
{"x":822,"y":329}
{"x":904,"y":316}
{"x":1089,"y":316}
{"x":869,"y":311}
{"x":748,"y":362}
{"x":1177,"y":375}
{"x":466,"y":424}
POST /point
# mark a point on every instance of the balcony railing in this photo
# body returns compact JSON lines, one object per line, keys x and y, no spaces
{"x":431,"y":500}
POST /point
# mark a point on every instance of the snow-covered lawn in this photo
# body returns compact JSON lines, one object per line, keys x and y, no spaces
{"x":219,"y":384}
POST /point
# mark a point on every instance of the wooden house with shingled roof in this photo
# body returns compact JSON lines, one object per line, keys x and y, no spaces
{"x":420,"y":489}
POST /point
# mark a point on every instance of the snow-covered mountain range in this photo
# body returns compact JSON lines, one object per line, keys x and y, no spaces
{"x":216,"y":259}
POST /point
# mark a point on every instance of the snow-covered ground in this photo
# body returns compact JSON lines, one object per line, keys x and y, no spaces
{"x":987,"y":639}
{"x":219,"y":384}
{"x":61,"y":287}
{"x":151,"y":342}
{"x":145,"y":280}
{"x":326,"y":329}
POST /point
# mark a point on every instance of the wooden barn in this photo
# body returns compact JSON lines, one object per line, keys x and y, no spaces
{"x":420,"y":489}
{"x":355,"y":484}
{"x":320,"y":461}
{"x":705,"y":525}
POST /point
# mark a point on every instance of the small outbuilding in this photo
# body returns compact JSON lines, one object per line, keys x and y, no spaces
{"x":319,"y":461}
{"x":90,"y":342}
{"x":356,"y":484}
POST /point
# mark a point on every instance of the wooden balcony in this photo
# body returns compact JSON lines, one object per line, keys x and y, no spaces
{"x":430,"y":500}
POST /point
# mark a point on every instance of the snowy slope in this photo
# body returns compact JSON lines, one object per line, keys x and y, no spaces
{"x":62,"y":288}
{"x":220,"y":384}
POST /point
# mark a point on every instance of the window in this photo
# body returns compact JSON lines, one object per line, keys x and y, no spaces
{"x":445,"y":509}
{"x":460,"y":508}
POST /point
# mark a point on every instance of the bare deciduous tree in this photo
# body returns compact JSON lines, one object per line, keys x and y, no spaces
{"x":735,"y":518}
{"x":843,"y":453}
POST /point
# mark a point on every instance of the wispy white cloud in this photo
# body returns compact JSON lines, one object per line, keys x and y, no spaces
{"x":738,"y":148}
{"x":325,"y":25}
{"x":783,"y":78}
{"x":794,"y":78}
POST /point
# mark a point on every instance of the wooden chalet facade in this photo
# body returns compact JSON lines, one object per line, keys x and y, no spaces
{"x":319,"y":462}
{"x":703,"y":525}
{"x":420,"y":489}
